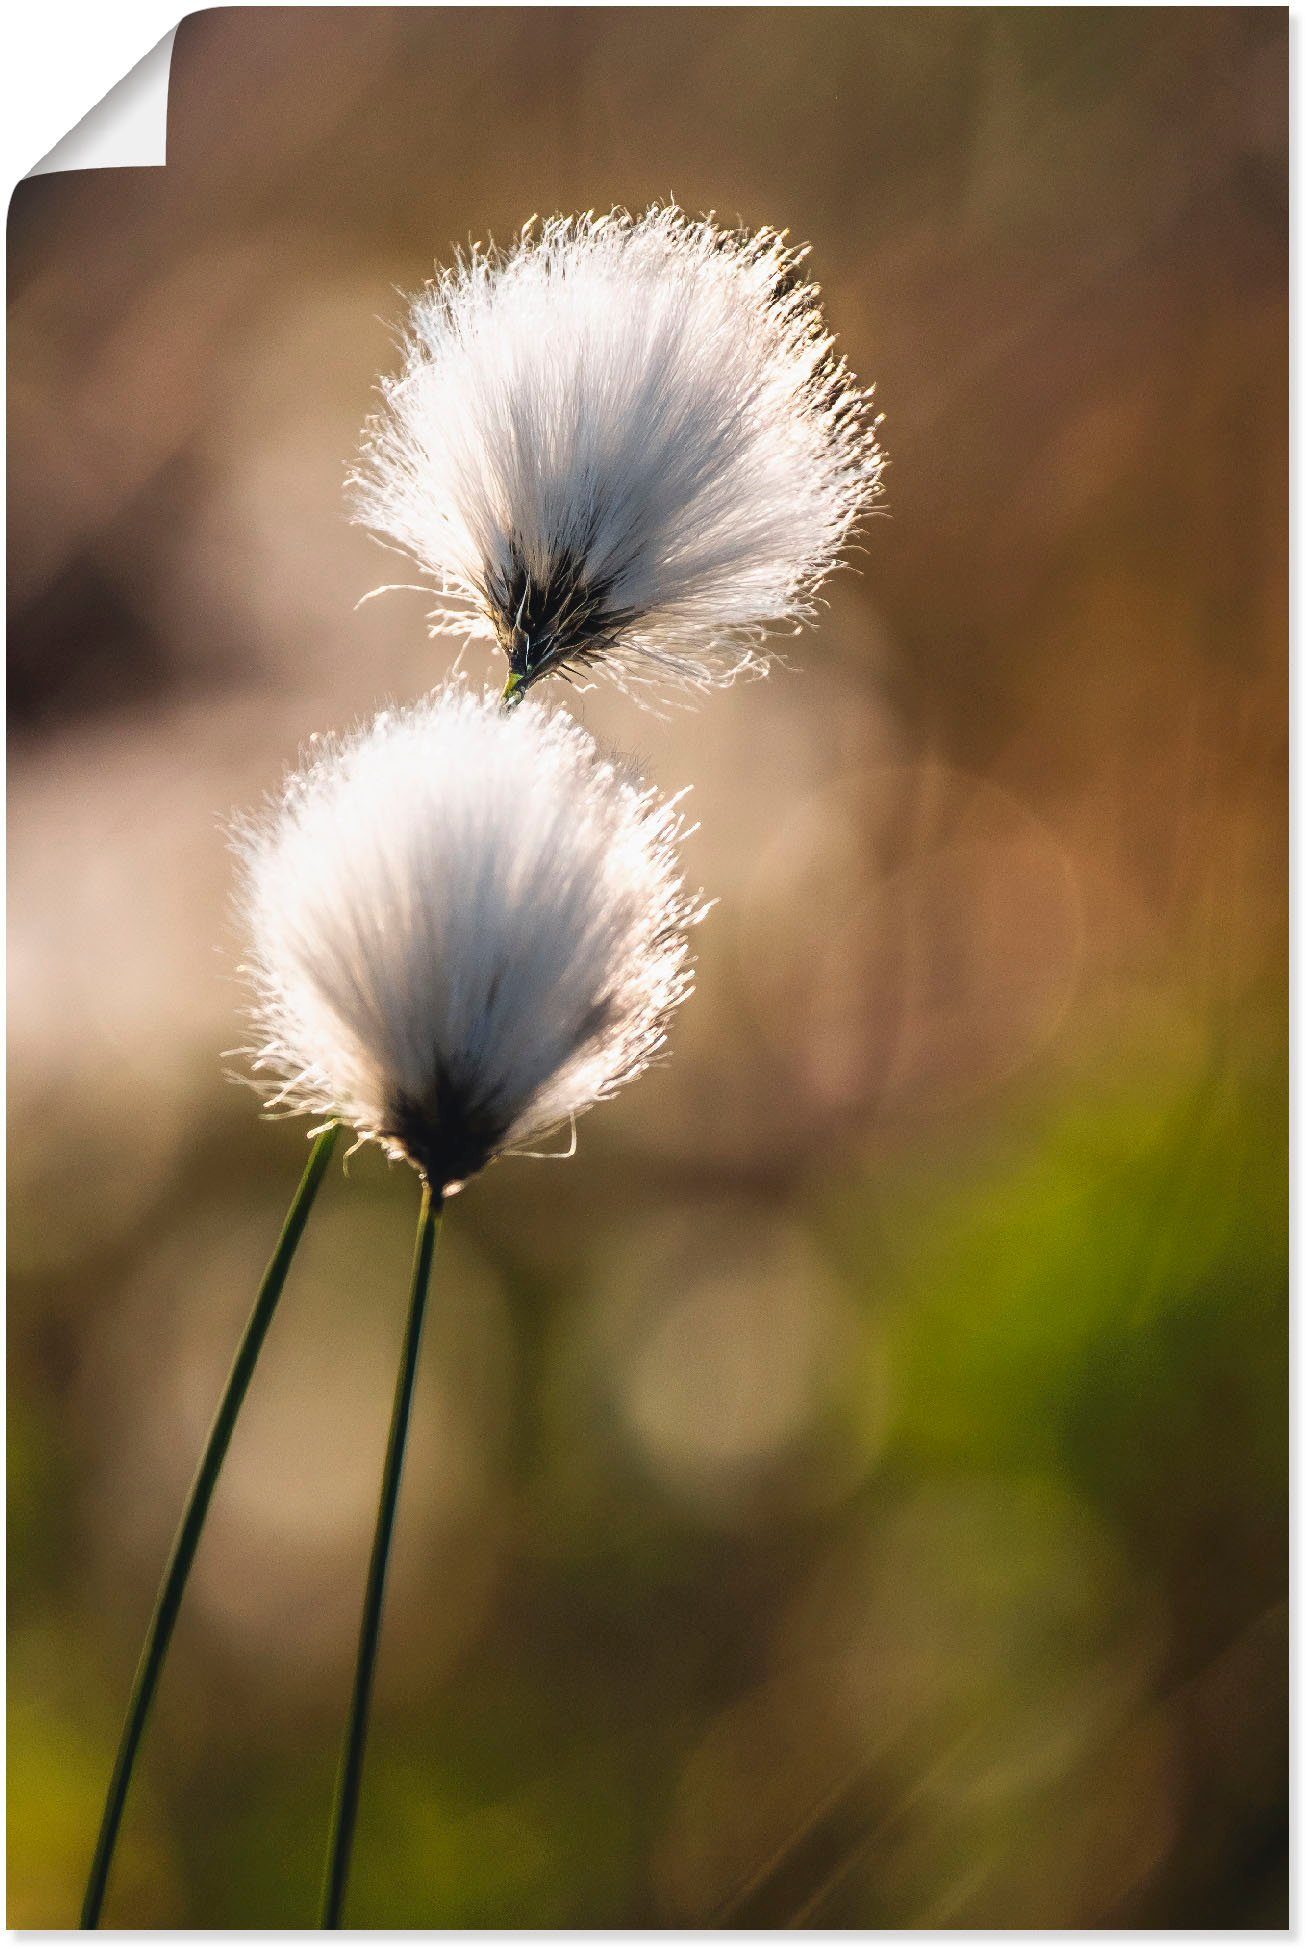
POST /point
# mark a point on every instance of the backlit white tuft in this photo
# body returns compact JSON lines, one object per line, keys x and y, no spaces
{"x":466,"y":925}
{"x":625,"y":441}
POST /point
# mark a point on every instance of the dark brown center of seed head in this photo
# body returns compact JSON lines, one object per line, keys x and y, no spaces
{"x":559,"y":619}
{"x":448,"y":1136}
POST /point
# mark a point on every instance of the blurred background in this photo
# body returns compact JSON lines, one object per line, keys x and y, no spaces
{"x":852,"y":1491}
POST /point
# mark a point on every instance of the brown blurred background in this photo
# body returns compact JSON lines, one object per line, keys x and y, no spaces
{"x":852,"y":1492}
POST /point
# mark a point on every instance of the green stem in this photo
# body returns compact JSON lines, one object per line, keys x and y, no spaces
{"x":345,"y":1817}
{"x":168,"y":1602}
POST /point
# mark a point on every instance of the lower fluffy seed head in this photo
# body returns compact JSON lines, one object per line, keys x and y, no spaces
{"x":626,"y":441}
{"x":466,"y":927}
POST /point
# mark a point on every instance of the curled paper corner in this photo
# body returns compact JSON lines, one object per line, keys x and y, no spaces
{"x":128,"y":128}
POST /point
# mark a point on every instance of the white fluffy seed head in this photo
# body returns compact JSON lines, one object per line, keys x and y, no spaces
{"x":625,"y":441}
{"x":467,"y":926}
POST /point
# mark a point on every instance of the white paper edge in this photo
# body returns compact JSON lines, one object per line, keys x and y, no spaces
{"x":128,"y":129}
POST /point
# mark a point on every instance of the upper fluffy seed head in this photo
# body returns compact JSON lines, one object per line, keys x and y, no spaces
{"x":627,"y":440}
{"x":467,"y":927}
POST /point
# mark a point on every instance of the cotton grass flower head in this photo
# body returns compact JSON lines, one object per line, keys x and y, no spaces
{"x":467,"y":926}
{"x":626,"y":441}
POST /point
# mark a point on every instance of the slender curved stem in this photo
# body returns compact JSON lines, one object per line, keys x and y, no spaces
{"x":345,"y":1816}
{"x":168,"y":1602}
